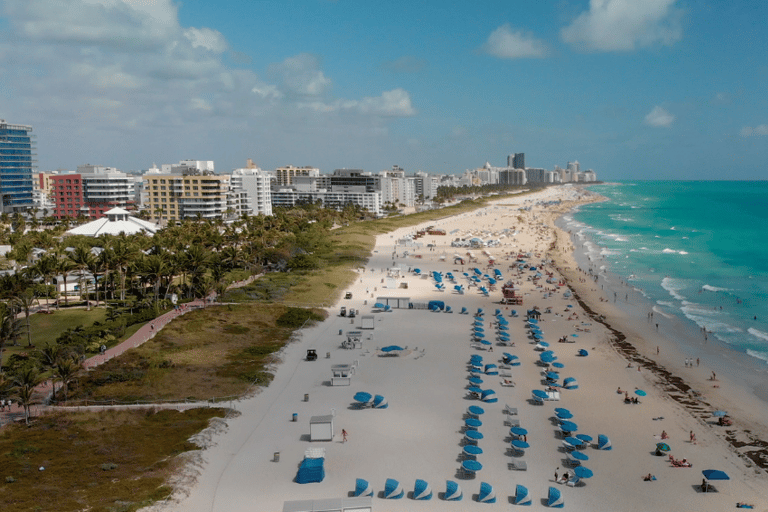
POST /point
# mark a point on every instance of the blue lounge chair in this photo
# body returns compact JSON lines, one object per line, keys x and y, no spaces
{"x":487,"y":495}
{"x":522,"y":496}
{"x":452,"y":491}
{"x":393,"y":490}
{"x":422,"y":491}
{"x":363,"y":488}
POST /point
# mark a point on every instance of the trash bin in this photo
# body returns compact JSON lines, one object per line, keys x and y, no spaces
{"x":295,"y":417}
{"x":276,"y":457}
{"x":327,"y":355}
{"x":306,"y":397}
{"x":340,"y":332}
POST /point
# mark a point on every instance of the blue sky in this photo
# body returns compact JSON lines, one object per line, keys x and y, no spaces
{"x":656,"y":89}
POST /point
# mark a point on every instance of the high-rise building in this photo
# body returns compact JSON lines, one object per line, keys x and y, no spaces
{"x":17,"y":146}
{"x":285,"y":175}
{"x":519,"y":161}
{"x":187,"y":192}
{"x":252,"y":188}
{"x":90,"y":191}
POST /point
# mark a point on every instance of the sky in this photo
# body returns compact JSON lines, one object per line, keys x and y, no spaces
{"x":633,"y":89}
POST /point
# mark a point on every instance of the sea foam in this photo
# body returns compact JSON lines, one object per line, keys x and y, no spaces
{"x":758,"y":333}
{"x":673,"y":286}
{"x":710,"y":288}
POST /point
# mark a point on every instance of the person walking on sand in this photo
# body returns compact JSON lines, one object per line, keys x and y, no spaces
{"x":556,"y":475}
{"x":343,"y":436}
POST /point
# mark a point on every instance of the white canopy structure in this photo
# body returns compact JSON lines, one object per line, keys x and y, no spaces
{"x":115,"y":221}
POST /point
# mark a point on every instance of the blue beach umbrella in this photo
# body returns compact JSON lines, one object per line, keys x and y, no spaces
{"x":485,"y":342}
{"x":473,"y":435}
{"x":663,"y":447}
{"x":573,"y":441}
{"x":719,"y":414}
{"x":391,"y":348}
{"x":476,"y":381}
{"x":543,"y":343}
{"x":539,"y":393}
{"x":584,"y":437}
{"x":578,"y":456}
{"x":475,"y":410}
{"x":562,"y":409}
{"x":640,"y":392}
{"x":583,"y":472}
{"x":503,"y":328}
{"x":479,"y":329}
{"x":473,"y":423}
{"x":472,"y":450}
{"x":520,"y":444}
{"x":471,"y":465}
{"x":518,"y":431}
{"x":551,"y":376}
{"x":475,"y":389}
{"x":564,"y":415}
{"x":363,"y":397}
{"x":558,"y":365}
{"x":569,"y":426}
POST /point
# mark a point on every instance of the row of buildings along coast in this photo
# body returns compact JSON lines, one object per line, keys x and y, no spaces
{"x":193,"y":188}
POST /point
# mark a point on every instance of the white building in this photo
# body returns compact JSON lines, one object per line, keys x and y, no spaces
{"x":253,"y":189}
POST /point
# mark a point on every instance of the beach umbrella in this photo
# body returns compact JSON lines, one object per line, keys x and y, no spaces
{"x":472,"y":450}
{"x":574,"y":441}
{"x":475,"y":389}
{"x":503,"y":321}
{"x":537,"y":336}
{"x":562,"y":409}
{"x":538,"y":393}
{"x":473,"y":423}
{"x":584,"y":437}
{"x":363,"y":397}
{"x":583,"y":472}
{"x":575,"y":335}
{"x":554,"y":498}
{"x":558,"y":365}
{"x":564,"y":415}
{"x":577,"y":457}
{"x":570,"y":383}
{"x":471,"y":465}
{"x":422,"y":491}
{"x":520,"y":444}
{"x":476,"y":381}
{"x":473,"y":435}
{"x":551,"y":376}
{"x":479,"y":329}
{"x":522,"y":497}
{"x":543,"y":343}
{"x":640,"y":392}
{"x":603,"y":442}
{"x":391,"y":348}
{"x":719,"y":414}
{"x":452,"y":491}
{"x":547,"y":358}
{"x":663,"y":447}
{"x":485,"y":342}
{"x":569,"y":426}
{"x":503,"y":328}
{"x":475,"y":410}
{"x":518,"y":431}
{"x":715,"y":474}
{"x":533,"y":321}
{"x":487,"y":494}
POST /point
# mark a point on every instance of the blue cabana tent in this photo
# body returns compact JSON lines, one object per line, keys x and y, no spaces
{"x":522,"y":497}
{"x":583,"y":352}
{"x":393,"y":490}
{"x":311,"y":470}
{"x":487,"y":494}
{"x":570,"y":383}
{"x":422,"y":491}
{"x":452,"y":491}
{"x":603,"y":443}
{"x":463,"y":311}
{"x":363,"y":488}
{"x":379,"y":402}
{"x":554,"y":498}
{"x":436,"y":304}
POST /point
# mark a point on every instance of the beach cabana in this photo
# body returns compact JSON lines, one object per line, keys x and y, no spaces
{"x":379,"y":402}
{"x":570,"y":383}
{"x":463,"y":311}
{"x":522,"y":496}
{"x":422,"y":491}
{"x":555,"y":498}
{"x":452,"y":491}
{"x":489,"y":396}
{"x":363,"y":488}
{"x":393,"y":490}
{"x":487,"y":494}
{"x":603,"y":443}
{"x":311,"y":470}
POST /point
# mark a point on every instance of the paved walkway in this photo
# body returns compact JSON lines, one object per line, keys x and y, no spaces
{"x":144,"y":334}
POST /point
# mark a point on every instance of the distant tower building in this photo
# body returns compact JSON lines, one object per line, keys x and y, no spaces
{"x":511,"y":161}
{"x":16,"y":151}
{"x":519,"y":161}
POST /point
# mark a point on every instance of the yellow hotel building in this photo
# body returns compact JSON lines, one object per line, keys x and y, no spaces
{"x":177,"y":196}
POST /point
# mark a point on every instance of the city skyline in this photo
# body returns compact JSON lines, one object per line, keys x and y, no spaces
{"x":633,"y":90}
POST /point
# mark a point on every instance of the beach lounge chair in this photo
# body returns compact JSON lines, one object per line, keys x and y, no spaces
{"x":393,"y":490}
{"x":574,"y":481}
{"x":422,"y":491}
{"x":487,"y":494}
{"x":452,"y":491}
{"x":507,"y":383}
{"x":553,"y":396}
{"x":512,"y":411}
{"x":518,"y":465}
{"x":522,"y":496}
{"x":511,"y":423}
{"x":363,"y":488}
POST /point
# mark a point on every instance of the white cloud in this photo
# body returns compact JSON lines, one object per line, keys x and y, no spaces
{"x":659,"y":117}
{"x":506,"y":44}
{"x":623,"y":25}
{"x":206,"y":38}
{"x":301,"y":75}
{"x":394,"y":103}
{"x":759,"y":130}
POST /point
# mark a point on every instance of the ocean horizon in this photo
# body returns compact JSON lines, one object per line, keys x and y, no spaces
{"x":695,"y":250}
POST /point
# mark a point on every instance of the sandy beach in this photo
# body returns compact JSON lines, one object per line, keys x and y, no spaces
{"x":421,"y":434}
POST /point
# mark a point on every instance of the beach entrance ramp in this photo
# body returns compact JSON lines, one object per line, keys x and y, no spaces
{"x":359,"y":504}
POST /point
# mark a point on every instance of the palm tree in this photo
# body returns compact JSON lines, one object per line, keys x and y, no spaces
{"x":64,"y":267}
{"x":66,"y":371}
{"x":154,"y":268}
{"x":50,"y":355}
{"x":122,"y":253}
{"x":25,"y":301}
{"x":81,"y":258}
{"x":10,"y":328}
{"x":24,"y":383}
{"x":96,"y":266}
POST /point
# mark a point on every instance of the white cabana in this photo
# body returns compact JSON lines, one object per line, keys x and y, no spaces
{"x":114,"y":222}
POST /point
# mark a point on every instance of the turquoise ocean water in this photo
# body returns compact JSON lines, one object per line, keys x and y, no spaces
{"x":695,"y":249}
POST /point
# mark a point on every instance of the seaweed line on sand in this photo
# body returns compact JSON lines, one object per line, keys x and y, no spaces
{"x":745,"y":443}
